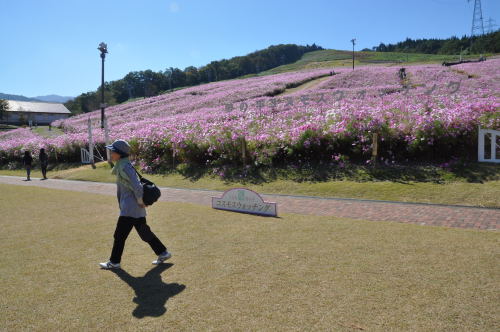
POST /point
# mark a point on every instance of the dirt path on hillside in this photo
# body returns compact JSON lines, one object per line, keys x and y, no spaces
{"x":305,"y":86}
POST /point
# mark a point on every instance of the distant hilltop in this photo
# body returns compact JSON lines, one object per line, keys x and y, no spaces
{"x":54,"y":99}
{"x":47,"y":99}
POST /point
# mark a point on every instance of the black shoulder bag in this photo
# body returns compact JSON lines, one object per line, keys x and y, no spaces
{"x":151,"y":191}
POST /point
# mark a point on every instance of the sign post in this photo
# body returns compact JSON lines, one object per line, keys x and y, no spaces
{"x":91,"y":143}
{"x":106,"y":139}
{"x":244,"y":201}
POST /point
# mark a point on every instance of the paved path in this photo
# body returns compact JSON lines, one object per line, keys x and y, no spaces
{"x":423,"y":214}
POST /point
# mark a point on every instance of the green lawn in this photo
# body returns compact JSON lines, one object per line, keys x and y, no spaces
{"x":45,"y":132}
{"x":338,"y":58}
{"x":7,"y":127}
{"x":476,"y":185}
{"x":236,"y":272}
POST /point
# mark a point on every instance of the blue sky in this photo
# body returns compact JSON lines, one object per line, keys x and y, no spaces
{"x":50,"y":46}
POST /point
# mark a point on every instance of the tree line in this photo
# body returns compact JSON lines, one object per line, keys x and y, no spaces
{"x":148,"y":83}
{"x":487,"y":43}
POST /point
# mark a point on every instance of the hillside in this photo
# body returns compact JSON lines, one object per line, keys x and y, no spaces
{"x":272,"y":60}
{"x":430,"y":114}
{"x":15,"y":97}
{"x":148,"y":83}
{"x":53,"y":98}
{"x":321,"y":59}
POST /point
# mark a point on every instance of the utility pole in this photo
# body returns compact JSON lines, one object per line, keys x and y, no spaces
{"x":353,"y":41}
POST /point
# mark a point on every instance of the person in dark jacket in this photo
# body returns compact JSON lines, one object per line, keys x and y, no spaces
{"x":44,"y":161}
{"x":132,"y":208}
{"x":27,"y":161}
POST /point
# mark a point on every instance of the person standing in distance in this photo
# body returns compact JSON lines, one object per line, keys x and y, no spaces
{"x":27,"y":161}
{"x":132,"y":208}
{"x":44,"y":160}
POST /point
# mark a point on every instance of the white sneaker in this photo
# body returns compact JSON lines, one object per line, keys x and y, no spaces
{"x":109,"y":266}
{"x":163,"y":257}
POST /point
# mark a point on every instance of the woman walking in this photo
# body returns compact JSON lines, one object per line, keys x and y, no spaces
{"x":27,"y":161}
{"x":132,"y":208}
{"x":44,"y":160}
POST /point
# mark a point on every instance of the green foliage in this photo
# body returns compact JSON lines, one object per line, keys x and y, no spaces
{"x":91,"y":101}
{"x":488,"y":43}
{"x":4,"y":107}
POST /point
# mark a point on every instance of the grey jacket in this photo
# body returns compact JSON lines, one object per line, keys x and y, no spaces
{"x":127,"y":199}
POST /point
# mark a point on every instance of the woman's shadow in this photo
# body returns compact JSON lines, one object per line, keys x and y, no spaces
{"x":151,"y":292}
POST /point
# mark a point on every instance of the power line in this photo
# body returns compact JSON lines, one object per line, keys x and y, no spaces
{"x":490,"y":27}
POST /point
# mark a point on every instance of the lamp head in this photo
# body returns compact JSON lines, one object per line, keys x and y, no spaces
{"x":103,"y":48}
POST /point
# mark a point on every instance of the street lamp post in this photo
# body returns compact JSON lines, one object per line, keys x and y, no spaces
{"x":353,"y":41}
{"x":103,"y":48}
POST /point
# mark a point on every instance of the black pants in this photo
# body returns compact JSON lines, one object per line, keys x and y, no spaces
{"x":44,"y":170}
{"x":123,"y":228}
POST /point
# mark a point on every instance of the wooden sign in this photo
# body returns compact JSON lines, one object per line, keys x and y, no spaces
{"x":245,"y":201}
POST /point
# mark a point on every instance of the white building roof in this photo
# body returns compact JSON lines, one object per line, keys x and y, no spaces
{"x":37,"y":107}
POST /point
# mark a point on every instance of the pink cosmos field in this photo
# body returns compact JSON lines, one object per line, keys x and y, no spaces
{"x":431,"y":115}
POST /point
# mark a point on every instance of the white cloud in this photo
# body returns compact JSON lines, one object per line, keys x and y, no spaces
{"x":173,"y":7}
{"x":195,"y":54}
{"x":120,"y":46}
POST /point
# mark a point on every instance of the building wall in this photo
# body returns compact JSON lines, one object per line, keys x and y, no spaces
{"x":39,"y":118}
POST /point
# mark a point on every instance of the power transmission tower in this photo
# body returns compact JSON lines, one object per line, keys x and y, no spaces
{"x":477,"y":19}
